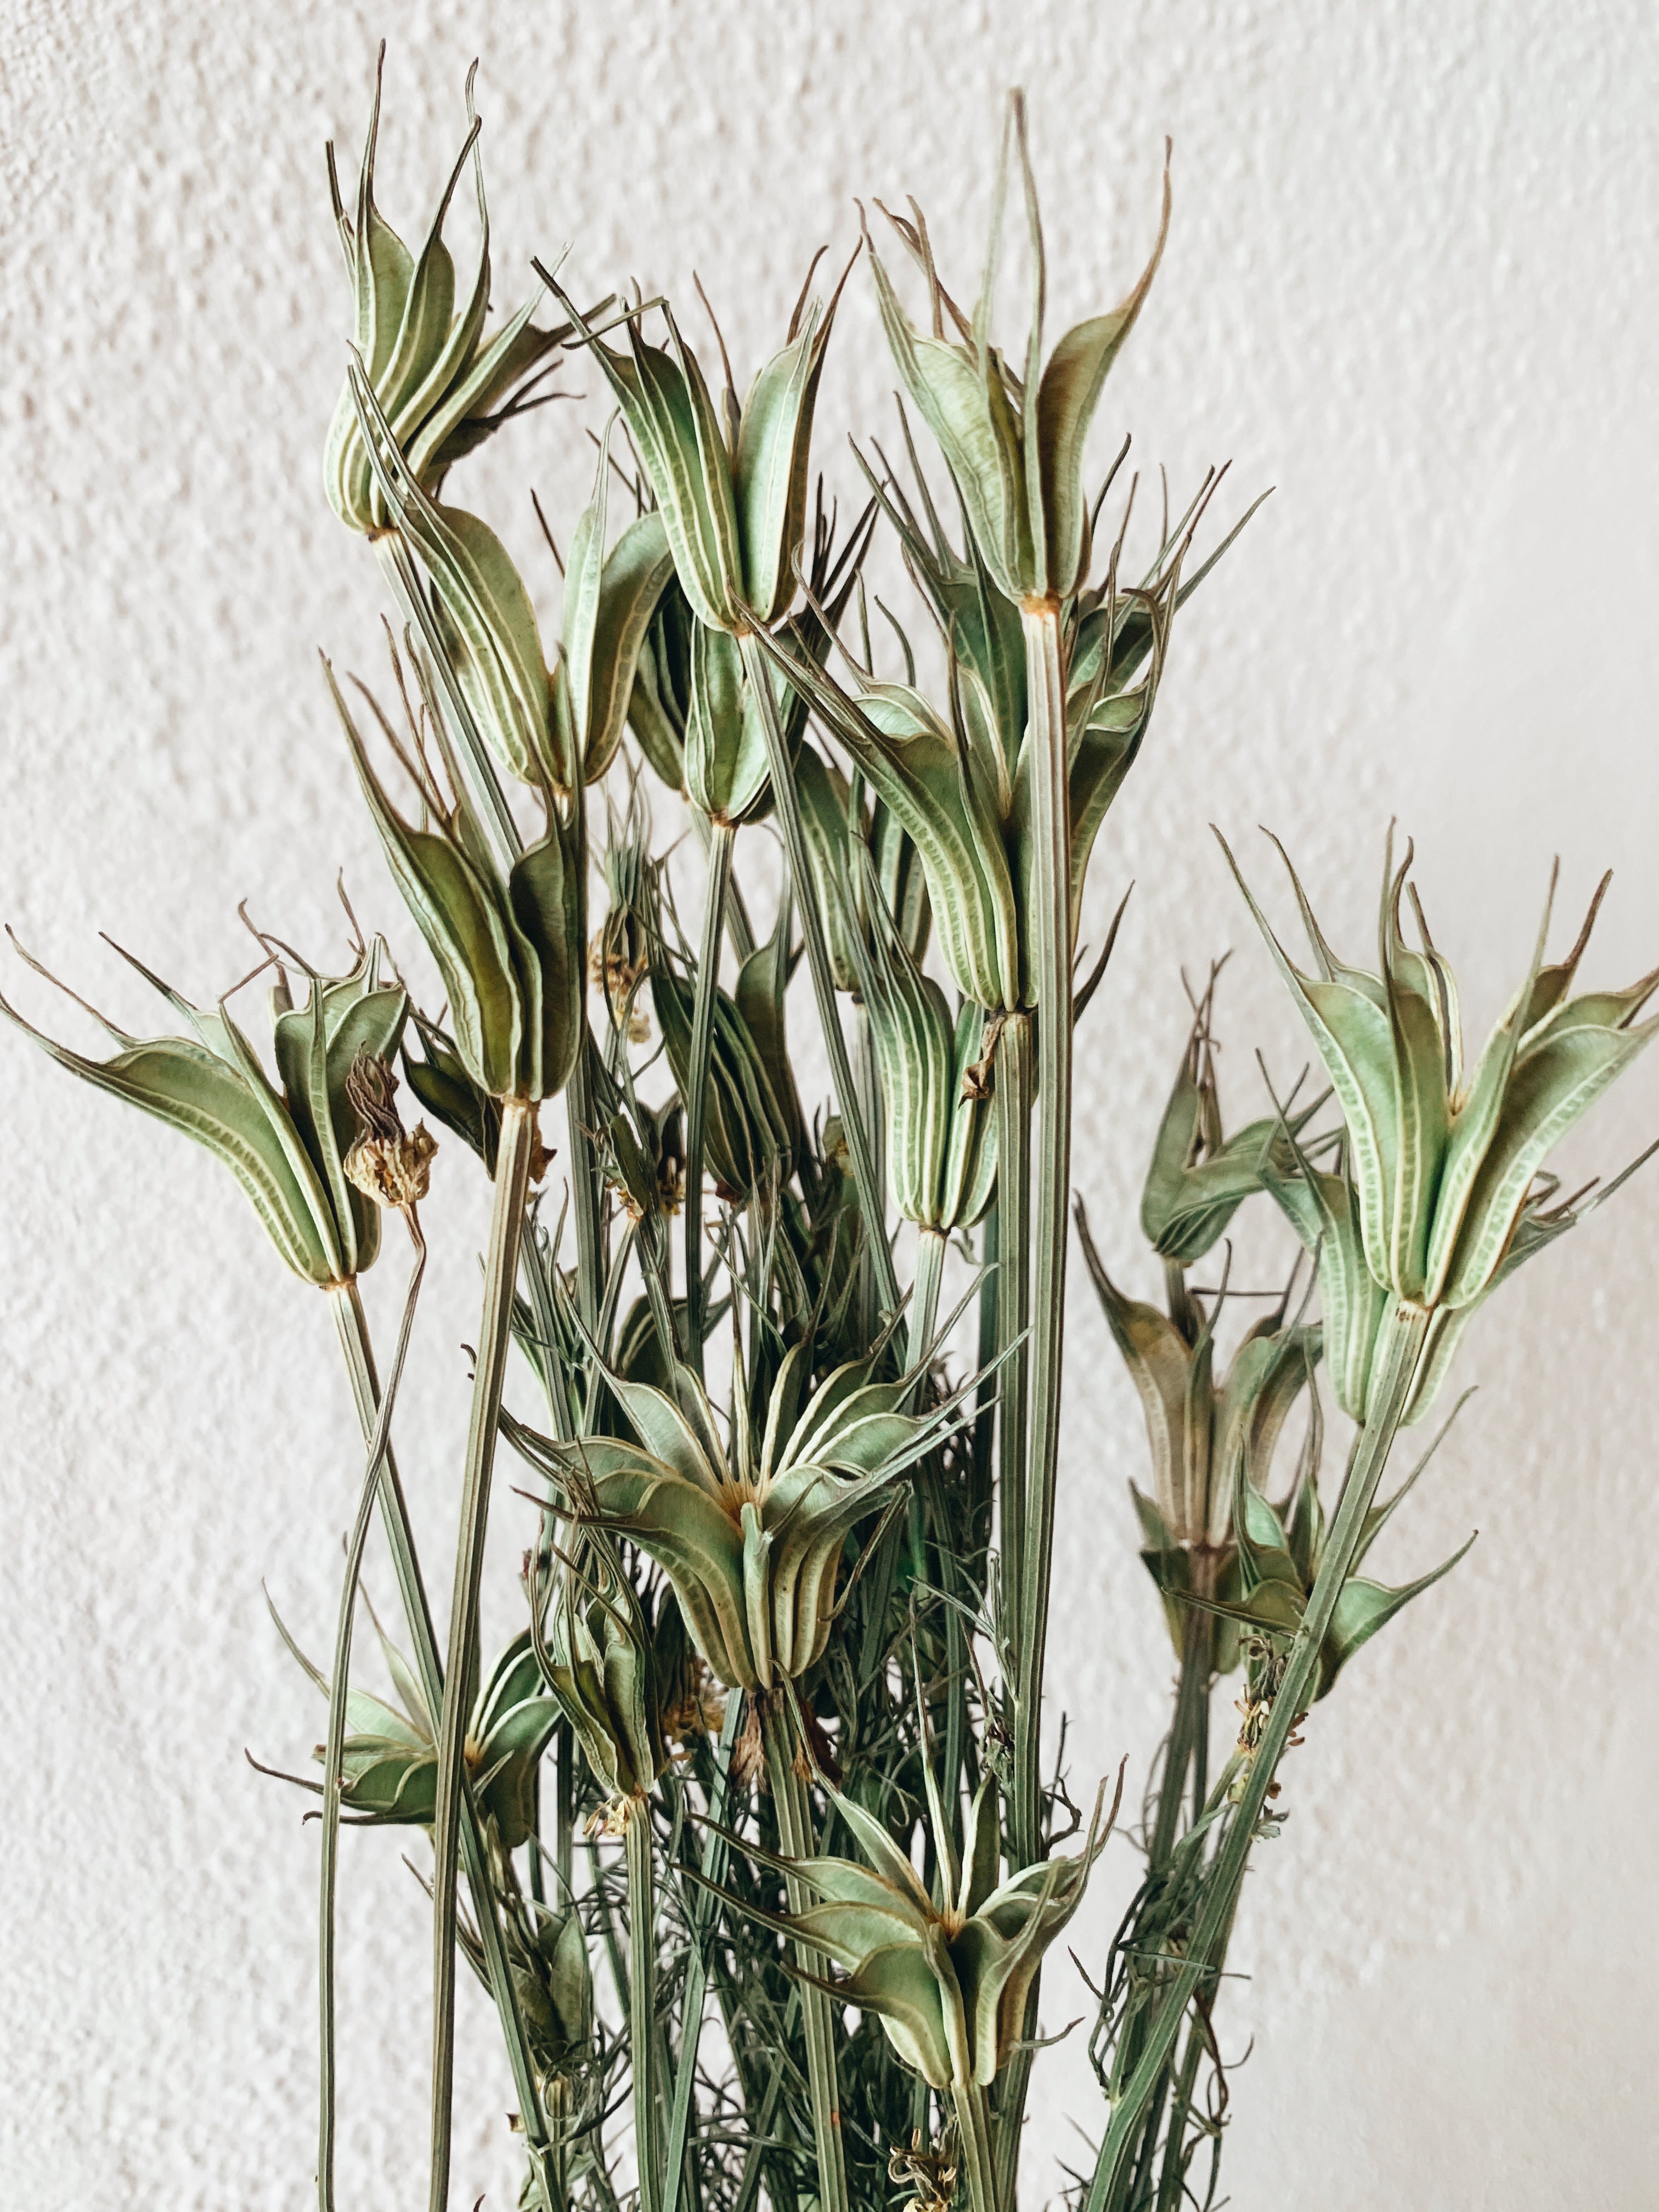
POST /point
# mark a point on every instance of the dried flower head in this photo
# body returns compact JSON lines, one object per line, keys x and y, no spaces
{"x":389,"y":1163}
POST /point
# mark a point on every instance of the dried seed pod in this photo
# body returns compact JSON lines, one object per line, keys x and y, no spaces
{"x":1442,"y":1193}
{"x":286,"y":1148}
{"x":750,"y":1538}
{"x":734,"y":514}
{"x":442,"y":386}
{"x":941,"y":1137}
{"x":388,"y":1163}
{"x":1013,"y":444}
{"x":949,"y":1984}
{"x":513,"y":953}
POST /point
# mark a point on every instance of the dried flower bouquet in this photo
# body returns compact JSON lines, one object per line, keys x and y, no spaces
{"x":748,"y":1831}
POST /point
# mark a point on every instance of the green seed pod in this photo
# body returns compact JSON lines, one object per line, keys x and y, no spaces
{"x":610,"y":601}
{"x":1201,"y":1432}
{"x":949,"y":1984}
{"x":286,"y":1147}
{"x":734,"y":515}
{"x":600,"y":1661}
{"x":554,"y":1985}
{"x":1443,"y":1192}
{"x":390,"y":1767}
{"x":1280,"y":1551}
{"x":659,"y":706}
{"x":1200,"y":1177}
{"x":513,"y":955}
{"x":836,"y":837}
{"x":751,"y":1540}
{"x":753,"y":1126}
{"x":441,"y":1081}
{"x":480,"y":627}
{"x":441,"y":386}
{"x":727,"y":777}
{"x":941,"y":1137}
{"x":1013,"y":445}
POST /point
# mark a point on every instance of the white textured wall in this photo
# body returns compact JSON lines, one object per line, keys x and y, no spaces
{"x":1412,"y":282}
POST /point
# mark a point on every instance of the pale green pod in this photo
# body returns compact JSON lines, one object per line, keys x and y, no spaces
{"x":773,"y":451}
{"x":599,"y":1659}
{"x":486,"y":627}
{"x":1441,"y":1191}
{"x":676,"y":431}
{"x":735,"y":516}
{"x":948,"y":1982}
{"x":389,"y":1772}
{"x":442,"y":386}
{"x":919,"y":769}
{"x":941,"y":1140}
{"x":1199,"y":1427}
{"x":285,"y":1147}
{"x":610,"y":601}
{"x":513,"y":955}
{"x":726,"y":776}
{"x":1013,"y":445}
{"x":1199,"y":1177}
{"x":752,"y":1542}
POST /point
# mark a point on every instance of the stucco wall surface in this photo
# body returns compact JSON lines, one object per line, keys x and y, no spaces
{"x":1413,"y":283}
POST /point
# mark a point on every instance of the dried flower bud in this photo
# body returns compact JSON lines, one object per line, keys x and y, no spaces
{"x":388,"y":1163}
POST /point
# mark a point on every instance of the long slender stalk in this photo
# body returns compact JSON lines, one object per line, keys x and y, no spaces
{"x":586,"y":1195}
{"x":642,"y":2003}
{"x":794,"y":1817}
{"x":1014,"y":1080}
{"x":704,"y":1912}
{"x":1050,"y":924}
{"x":1395,"y":1360}
{"x":1013,"y":1086}
{"x":334,"y":1749}
{"x":787,"y":801}
{"x":721,"y":838}
{"x":1186,"y":1746}
{"x":357,"y":1348}
{"x":924,"y":1296}
{"x":865,"y":1081}
{"x":494,"y":1337}
{"x":973,"y":2119}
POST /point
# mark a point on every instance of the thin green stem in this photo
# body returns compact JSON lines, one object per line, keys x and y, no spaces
{"x":1394,"y":1363}
{"x":968,"y":2102}
{"x":351,"y":1325}
{"x":1172,"y":2180}
{"x":704,"y":1912}
{"x":1185,"y":1746}
{"x":1013,"y":1083}
{"x":642,"y":2003}
{"x":398,"y":565}
{"x":794,"y":1817}
{"x":334,"y":1749}
{"x":1050,"y":924}
{"x":924,"y":1299}
{"x":866,"y":1082}
{"x":722,"y":836}
{"x":787,"y":801}
{"x":494,"y":1338}
{"x":587,"y":1190}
